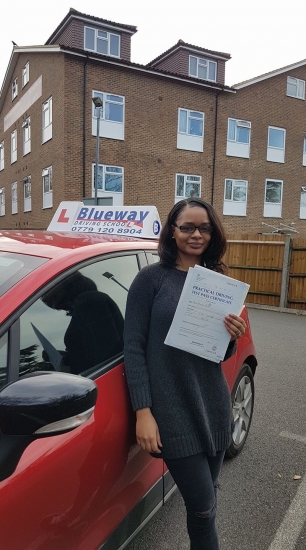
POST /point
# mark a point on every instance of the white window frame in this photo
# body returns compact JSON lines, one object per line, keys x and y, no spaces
{"x":232,"y":206}
{"x":107,"y":39}
{"x":112,"y":129}
{"x":47,"y":194}
{"x":190,"y":117}
{"x":25,"y":73}
{"x":1,"y":155}
{"x":2,"y":201}
{"x":202,"y":62}
{"x":27,"y":194}
{"x":185,"y":139}
{"x":274,"y":153}
{"x":26,"y":136}
{"x":14,"y":191}
{"x":14,"y":88}
{"x":273,"y":209}
{"x":303,"y":203}
{"x":300,"y":87}
{"x":106,"y":169}
{"x":187,"y":180}
{"x":14,"y":146}
{"x":304,"y":150}
{"x":47,"y":125}
{"x":235,"y":147}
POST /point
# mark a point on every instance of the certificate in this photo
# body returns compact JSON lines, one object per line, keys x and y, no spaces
{"x":198,"y":324}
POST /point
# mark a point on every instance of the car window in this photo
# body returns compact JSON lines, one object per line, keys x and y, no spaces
{"x":77,"y":326}
{"x":3,"y":359}
{"x":14,"y":267}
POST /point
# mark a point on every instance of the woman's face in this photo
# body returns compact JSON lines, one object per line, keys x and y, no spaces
{"x":192,"y":244}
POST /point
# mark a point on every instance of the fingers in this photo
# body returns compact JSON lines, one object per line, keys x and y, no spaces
{"x":235,"y":326}
{"x":149,"y":445}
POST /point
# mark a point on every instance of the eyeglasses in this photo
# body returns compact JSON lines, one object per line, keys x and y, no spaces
{"x":191,"y":228}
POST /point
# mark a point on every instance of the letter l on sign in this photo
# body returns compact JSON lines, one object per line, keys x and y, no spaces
{"x":62,"y":218}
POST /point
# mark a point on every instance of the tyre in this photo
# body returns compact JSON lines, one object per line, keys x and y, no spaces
{"x":242,"y":406}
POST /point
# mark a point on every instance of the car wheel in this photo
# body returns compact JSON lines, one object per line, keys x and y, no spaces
{"x":242,"y":407}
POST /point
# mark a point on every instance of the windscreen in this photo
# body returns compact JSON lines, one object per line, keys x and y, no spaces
{"x":14,"y":267}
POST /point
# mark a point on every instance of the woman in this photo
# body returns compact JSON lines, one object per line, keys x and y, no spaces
{"x":182,"y":401}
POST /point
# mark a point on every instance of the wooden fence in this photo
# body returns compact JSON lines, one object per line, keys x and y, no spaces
{"x":273,"y":265}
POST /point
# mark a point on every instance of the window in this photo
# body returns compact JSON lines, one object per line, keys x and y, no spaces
{"x":25,"y":73}
{"x":14,"y":88}
{"x":235,"y":197}
{"x":2,"y":201}
{"x":26,"y":135}
{"x":273,"y":198}
{"x":14,"y":198}
{"x":47,"y":120}
{"x":3,"y":359}
{"x":304,"y":151}
{"x":202,"y":68}
{"x":103,"y":42}
{"x":303,"y":203}
{"x":295,"y":87}
{"x":111,"y":115}
{"x":13,"y":146}
{"x":27,"y":194}
{"x":187,"y":186}
{"x":47,"y":187}
{"x":276,"y":144}
{"x":110,"y":182}
{"x":190,"y":130}
{"x":2,"y":155}
{"x":238,"y":138}
{"x":82,"y":317}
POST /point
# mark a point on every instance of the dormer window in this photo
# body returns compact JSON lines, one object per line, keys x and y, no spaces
{"x":103,"y":42}
{"x":202,"y":68}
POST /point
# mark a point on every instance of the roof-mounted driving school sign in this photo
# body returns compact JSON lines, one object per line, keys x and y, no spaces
{"x":133,"y":221}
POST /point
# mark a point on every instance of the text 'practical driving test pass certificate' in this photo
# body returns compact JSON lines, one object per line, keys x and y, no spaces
{"x":198,"y":324}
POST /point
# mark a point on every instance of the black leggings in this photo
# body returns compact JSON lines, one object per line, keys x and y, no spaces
{"x":197,"y":478}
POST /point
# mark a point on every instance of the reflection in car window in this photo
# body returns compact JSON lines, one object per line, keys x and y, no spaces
{"x":3,"y":360}
{"x":78,"y":324}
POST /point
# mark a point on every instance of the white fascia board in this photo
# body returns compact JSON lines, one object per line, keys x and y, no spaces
{"x":269,"y":75}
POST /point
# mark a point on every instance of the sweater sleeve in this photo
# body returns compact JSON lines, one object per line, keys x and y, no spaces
{"x":136,"y":330}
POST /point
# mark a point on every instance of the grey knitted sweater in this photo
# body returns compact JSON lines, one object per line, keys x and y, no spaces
{"x":188,"y":396}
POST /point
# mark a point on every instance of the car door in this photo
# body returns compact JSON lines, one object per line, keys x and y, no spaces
{"x":93,"y":485}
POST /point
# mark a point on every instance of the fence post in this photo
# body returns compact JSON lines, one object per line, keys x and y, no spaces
{"x":285,"y":273}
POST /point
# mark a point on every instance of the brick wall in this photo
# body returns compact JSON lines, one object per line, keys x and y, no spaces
{"x":51,"y":66}
{"x":263,"y":104}
{"x":148,"y":153}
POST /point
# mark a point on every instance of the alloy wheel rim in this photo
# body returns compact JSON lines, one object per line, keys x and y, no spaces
{"x":242,"y":410}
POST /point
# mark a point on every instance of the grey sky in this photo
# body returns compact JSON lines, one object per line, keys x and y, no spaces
{"x":260,"y":35}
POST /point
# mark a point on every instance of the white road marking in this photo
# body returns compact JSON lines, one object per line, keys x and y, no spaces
{"x":289,"y":531}
{"x":295,"y":437}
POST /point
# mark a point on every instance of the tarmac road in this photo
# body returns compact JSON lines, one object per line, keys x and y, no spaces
{"x":260,"y":506}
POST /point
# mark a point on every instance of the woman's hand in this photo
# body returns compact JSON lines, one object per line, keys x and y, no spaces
{"x":235,"y":326}
{"x":147,"y":432}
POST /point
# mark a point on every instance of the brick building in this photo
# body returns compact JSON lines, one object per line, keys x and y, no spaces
{"x":169,"y":129}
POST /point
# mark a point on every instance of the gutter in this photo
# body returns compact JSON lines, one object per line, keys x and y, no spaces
{"x":215,"y":149}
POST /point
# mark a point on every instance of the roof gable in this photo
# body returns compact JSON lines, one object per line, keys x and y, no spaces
{"x":131,"y":29}
{"x":184,"y":45}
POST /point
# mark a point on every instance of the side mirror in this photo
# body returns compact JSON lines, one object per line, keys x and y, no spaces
{"x":40,"y":405}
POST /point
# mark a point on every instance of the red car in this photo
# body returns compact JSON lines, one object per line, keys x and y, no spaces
{"x":72,"y":475}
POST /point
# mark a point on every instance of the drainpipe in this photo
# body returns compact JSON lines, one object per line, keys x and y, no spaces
{"x":84,"y":126}
{"x":215,"y":143}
